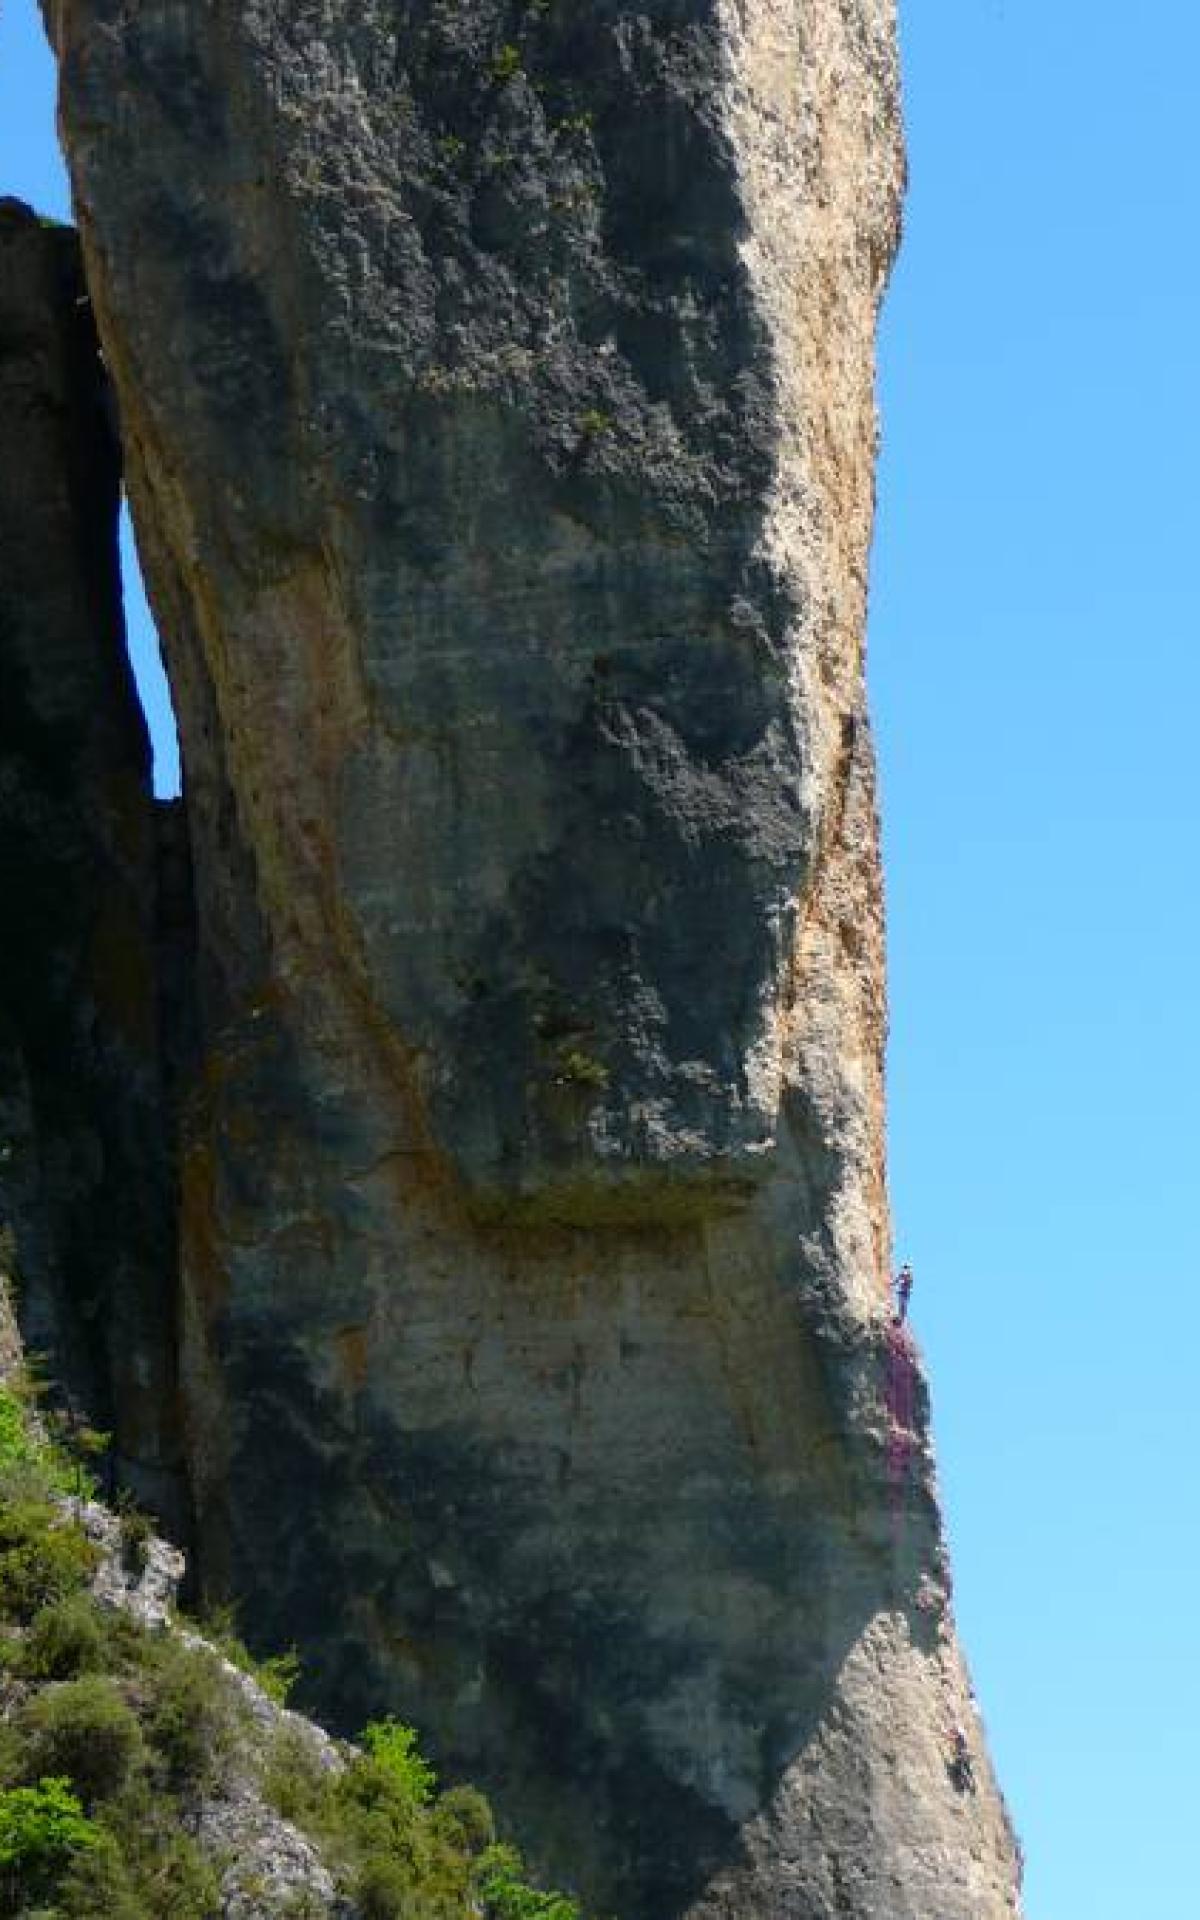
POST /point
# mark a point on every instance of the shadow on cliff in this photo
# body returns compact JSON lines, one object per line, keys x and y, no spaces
{"x":630,"y":1660}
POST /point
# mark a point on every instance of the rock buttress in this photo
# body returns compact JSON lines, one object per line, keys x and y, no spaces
{"x":86,"y":1180}
{"x":497,"y":390}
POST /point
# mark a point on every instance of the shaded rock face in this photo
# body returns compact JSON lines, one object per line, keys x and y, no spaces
{"x":86,"y":1188}
{"x":496,"y":391}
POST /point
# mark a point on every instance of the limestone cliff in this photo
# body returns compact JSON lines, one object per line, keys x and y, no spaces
{"x":496,"y":389}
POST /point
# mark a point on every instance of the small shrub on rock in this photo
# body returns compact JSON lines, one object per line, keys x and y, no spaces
{"x":66,"y":1639}
{"x":137,"y":1531}
{"x":294,"y":1781}
{"x":83,"y":1729}
{"x":191,"y":1715}
{"x":43,"y":1558}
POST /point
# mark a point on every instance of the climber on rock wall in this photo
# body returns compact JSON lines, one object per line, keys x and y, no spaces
{"x":904,"y":1286}
{"x":962,"y":1767}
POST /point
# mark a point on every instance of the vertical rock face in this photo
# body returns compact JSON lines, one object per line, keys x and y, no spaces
{"x":496,"y":388}
{"x":85,"y":1181}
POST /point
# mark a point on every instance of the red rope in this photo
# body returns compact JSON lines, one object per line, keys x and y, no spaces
{"x":900,"y":1397}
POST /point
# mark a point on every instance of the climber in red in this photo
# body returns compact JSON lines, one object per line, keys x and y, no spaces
{"x":904,"y":1287}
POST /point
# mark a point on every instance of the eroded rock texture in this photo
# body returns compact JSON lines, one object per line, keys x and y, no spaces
{"x":86,"y":1186}
{"x":496,"y":386}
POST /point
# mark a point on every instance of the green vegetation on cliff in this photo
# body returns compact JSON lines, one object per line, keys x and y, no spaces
{"x":402,"y":1848}
{"x":120,"y":1735}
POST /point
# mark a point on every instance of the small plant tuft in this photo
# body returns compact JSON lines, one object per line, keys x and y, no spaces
{"x":507,"y":63}
{"x":137,"y":1531}
{"x":578,"y":1069}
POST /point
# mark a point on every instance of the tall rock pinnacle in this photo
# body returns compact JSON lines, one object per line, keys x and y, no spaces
{"x":496,"y":387}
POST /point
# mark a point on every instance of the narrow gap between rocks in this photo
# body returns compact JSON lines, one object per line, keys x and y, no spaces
{"x":31,"y":168}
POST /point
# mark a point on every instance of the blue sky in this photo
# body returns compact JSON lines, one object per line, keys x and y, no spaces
{"x":1035,"y":679}
{"x":1035,"y":675}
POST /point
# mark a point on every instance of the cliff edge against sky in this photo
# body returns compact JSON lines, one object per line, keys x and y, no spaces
{"x":495,"y":391}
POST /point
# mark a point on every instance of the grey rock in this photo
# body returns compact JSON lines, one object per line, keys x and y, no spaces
{"x":145,"y":1584}
{"x":496,"y":385}
{"x":271,"y":1869}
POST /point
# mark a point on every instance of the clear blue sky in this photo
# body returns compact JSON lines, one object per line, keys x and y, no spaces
{"x":1035,"y":678}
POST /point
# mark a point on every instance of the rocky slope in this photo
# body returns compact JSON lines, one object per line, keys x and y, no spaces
{"x":496,"y":393}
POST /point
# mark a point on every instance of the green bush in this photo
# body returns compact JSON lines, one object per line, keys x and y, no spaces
{"x":98,"y":1886}
{"x":18,"y":1444}
{"x":507,"y":1895}
{"x":371,"y":1813}
{"x":574,"y":1067}
{"x":277,"y":1674}
{"x":145,"y":1866}
{"x":191,"y":1714}
{"x":41,"y":1828}
{"x":383,"y":1889}
{"x":84,"y":1729}
{"x":57,"y":1448}
{"x":393,"y":1747}
{"x":66,"y":1639}
{"x":592,"y":424}
{"x":402,"y":1854}
{"x":43,"y":1558}
{"x":42,"y":1822}
{"x":463,"y":1819}
{"x":294,"y":1781}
